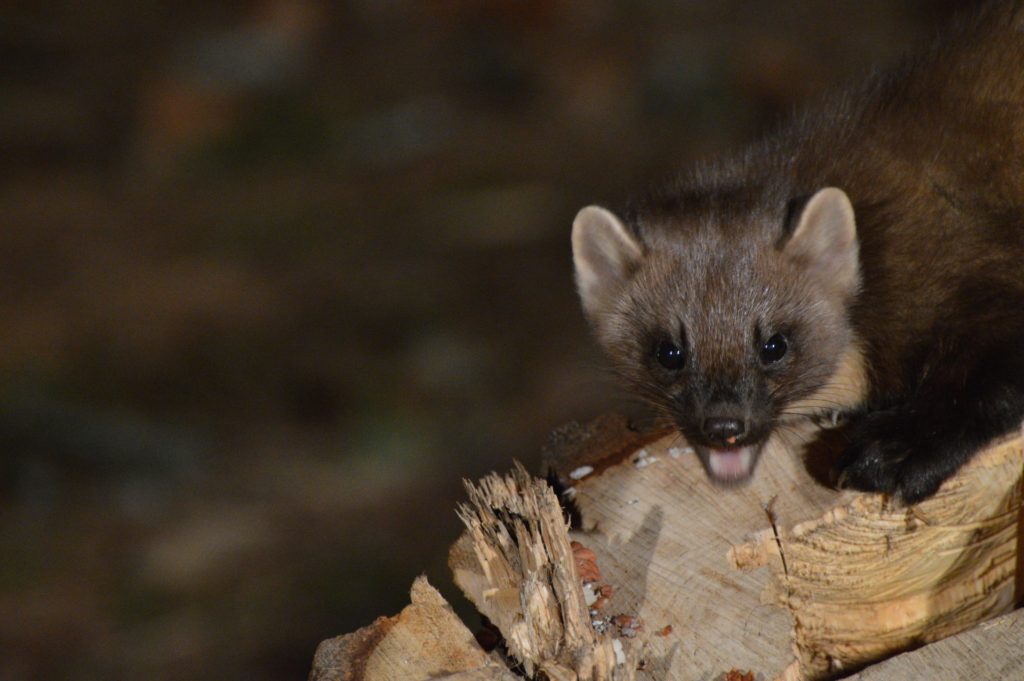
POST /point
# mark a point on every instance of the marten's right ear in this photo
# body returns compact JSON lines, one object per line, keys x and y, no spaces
{"x":605,"y":254}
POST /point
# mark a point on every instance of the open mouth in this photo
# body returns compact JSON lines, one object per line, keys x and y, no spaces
{"x":730,"y":466}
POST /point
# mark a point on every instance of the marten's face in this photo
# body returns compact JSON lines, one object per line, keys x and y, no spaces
{"x":727,"y":331}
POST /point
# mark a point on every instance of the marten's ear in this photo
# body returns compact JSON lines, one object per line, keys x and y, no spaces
{"x":605,"y":254}
{"x":825,"y":240}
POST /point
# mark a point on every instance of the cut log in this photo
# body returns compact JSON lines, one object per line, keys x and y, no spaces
{"x":991,"y":651}
{"x":425,"y":641}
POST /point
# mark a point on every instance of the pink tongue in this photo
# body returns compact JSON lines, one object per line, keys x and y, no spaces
{"x":732,"y":464}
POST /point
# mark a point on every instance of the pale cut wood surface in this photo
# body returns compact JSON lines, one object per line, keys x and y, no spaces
{"x":663,"y":535}
{"x":992,"y":651}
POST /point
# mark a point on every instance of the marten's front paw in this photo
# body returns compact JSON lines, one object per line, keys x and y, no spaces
{"x":872,"y":466}
{"x":880,"y":456}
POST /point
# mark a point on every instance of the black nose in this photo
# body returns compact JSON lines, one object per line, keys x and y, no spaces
{"x":724,"y":430}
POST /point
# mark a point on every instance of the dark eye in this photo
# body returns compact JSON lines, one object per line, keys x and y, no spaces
{"x":670,"y":356}
{"x":774,"y":349}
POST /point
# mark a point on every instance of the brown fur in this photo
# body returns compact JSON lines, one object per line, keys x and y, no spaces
{"x":931,"y":155}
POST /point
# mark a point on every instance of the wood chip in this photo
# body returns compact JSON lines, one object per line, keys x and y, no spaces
{"x":737,"y":675}
{"x":586,"y":563}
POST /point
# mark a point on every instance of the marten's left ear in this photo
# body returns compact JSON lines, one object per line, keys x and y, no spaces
{"x":825,"y":240}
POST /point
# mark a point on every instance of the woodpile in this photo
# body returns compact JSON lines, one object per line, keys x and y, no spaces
{"x":661,"y":575}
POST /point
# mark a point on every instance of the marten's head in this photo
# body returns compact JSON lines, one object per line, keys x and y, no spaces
{"x":728,"y":315}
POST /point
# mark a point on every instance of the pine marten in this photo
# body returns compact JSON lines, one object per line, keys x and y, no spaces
{"x":867,"y":259}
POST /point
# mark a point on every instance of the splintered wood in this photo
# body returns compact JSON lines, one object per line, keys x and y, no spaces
{"x":865,"y":579}
{"x":782,"y":578}
{"x":424,"y":641}
{"x":517,"y":565}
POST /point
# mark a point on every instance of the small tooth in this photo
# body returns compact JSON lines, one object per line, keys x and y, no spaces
{"x":841,"y":481}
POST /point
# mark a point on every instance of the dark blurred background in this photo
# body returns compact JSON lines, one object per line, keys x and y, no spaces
{"x":275,"y":276}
